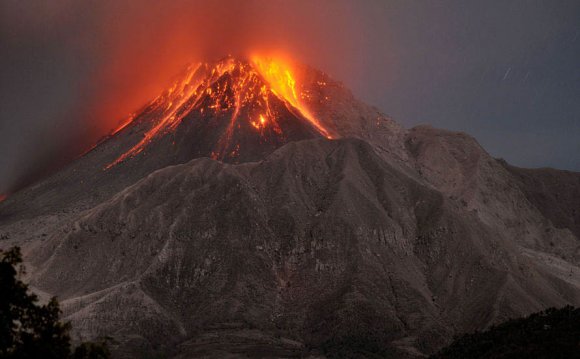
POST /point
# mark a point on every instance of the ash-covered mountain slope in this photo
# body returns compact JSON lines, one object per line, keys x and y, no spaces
{"x":556,"y":194}
{"x":323,"y":243}
{"x":198,"y":230}
{"x":456,"y":165}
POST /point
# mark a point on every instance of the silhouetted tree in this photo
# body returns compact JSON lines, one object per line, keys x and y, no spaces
{"x":29,"y":330}
{"x":551,"y":334}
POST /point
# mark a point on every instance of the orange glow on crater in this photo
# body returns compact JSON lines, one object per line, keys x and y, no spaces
{"x":225,"y":87}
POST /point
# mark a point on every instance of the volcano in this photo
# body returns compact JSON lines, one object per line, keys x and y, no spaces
{"x":256,"y":208}
{"x":231,"y":110}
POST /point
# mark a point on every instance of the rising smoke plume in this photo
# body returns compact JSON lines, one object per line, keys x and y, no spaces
{"x":74,"y":70}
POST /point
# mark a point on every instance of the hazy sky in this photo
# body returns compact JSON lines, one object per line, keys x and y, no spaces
{"x":507,"y":72}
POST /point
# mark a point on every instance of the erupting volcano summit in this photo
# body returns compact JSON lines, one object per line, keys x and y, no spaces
{"x":235,"y":109}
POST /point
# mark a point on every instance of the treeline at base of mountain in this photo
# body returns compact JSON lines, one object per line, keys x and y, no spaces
{"x":551,"y":334}
{"x":30,"y":330}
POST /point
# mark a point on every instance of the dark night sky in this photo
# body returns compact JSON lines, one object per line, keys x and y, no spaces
{"x":507,"y":72}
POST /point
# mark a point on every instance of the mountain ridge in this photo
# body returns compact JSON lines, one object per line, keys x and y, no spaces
{"x":382,"y":241}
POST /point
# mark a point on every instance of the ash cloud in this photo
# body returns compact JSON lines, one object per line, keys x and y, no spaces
{"x":70,"y":71}
{"x":74,"y":70}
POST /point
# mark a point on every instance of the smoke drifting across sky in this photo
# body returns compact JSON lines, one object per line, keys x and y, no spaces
{"x":72,"y":70}
{"x":505,"y":72}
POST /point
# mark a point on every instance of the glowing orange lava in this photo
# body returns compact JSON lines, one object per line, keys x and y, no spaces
{"x":226,"y":87}
{"x":279,"y":76}
{"x":170,"y":105}
{"x":124,"y":124}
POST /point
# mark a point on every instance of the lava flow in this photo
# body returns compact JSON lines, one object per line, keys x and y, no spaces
{"x":225,"y":88}
{"x":283,"y":83}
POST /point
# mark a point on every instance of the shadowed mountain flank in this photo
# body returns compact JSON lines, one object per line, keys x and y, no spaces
{"x":554,"y":193}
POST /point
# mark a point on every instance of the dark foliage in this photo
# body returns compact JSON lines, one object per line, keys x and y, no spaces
{"x":356,"y":347}
{"x":91,"y":351}
{"x":354,"y":329}
{"x":29,"y":330}
{"x":551,"y":334}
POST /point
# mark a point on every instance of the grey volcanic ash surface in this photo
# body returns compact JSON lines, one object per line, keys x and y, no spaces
{"x":317,"y":239}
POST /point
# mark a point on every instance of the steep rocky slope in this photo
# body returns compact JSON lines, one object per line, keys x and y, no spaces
{"x":554,"y":193}
{"x":196,"y":230}
{"x":323,"y":244}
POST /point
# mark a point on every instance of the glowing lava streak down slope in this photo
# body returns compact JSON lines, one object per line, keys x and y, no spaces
{"x":206,"y":88}
{"x":283,"y":83}
{"x":169,"y":104}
